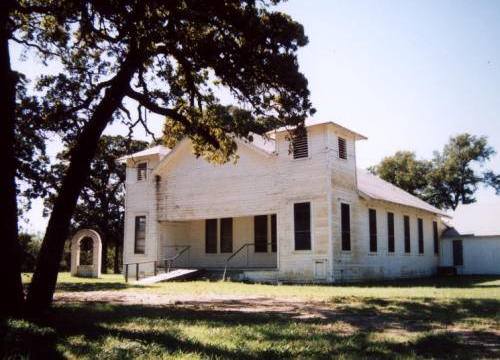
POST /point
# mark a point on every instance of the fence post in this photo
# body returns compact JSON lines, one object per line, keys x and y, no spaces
{"x":137,"y":272}
{"x":126,"y":273}
{"x":155,"y":267}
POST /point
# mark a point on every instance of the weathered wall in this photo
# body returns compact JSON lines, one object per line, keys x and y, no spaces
{"x":481,"y":255}
{"x":361,"y":264}
{"x":190,"y":190}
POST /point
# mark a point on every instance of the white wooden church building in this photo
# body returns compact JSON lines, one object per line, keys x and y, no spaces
{"x":275,"y":215}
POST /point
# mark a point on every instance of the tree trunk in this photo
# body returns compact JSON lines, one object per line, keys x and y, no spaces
{"x":44,"y":280}
{"x":12,"y":297}
{"x":104,"y":258}
{"x":117,"y":254}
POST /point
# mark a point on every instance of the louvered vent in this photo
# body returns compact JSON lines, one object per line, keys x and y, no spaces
{"x":300,"y":147}
{"x":342,"y":149}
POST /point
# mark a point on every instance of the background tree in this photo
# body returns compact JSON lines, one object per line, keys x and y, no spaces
{"x":404,"y":170}
{"x":12,"y":14}
{"x":451,"y":178}
{"x":169,"y":57}
{"x":101,"y":204}
{"x":456,"y":172}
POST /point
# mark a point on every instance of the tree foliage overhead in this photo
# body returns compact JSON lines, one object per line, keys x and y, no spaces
{"x":451,"y":178}
{"x":170,"y":57}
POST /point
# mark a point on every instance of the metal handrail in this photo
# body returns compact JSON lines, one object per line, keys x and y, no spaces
{"x":247,"y":245}
{"x":137,"y":263}
{"x":169,"y":261}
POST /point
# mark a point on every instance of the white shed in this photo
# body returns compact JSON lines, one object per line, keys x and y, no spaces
{"x":471,"y":254}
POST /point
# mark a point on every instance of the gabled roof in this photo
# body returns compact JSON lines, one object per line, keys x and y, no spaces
{"x":375,"y":188}
{"x":159,"y":150}
{"x":311,"y":123}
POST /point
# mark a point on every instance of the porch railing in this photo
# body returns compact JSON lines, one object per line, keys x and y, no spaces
{"x":181,"y":251}
{"x":155,"y":268}
{"x":244,"y":250}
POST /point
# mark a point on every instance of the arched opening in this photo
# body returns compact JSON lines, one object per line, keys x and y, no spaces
{"x":86,"y":251}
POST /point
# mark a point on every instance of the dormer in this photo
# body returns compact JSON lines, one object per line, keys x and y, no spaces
{"x":140,"y":165}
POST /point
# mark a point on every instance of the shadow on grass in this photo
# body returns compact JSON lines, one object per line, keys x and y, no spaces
{"x":118,"y":331}
{"x":95,"y":286}
{"x":443,"y":282}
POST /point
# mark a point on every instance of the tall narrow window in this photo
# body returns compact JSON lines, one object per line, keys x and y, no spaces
{"x":140,"y":235}
{"x":260,"y":233}
{"x":458,"y":253}
{"x":300,"y":146}
{"x":302,"y":225}
{"x":390,"y":232}
{"x":345,"y":224}
{"x":211,"y":236}
{"x":372,"y":214}
{"x":142,"y":171}
{"x":342,"y":149}
{"x":407,"y":234}
{"x":226,"y":235}
{"x":436,"y":237}
{"x":274,"y":233}
{"x":420,"y":236}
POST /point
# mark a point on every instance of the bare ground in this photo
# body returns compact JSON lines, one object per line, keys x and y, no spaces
{"x":347,"y":321}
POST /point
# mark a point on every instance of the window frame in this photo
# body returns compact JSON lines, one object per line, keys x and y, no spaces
{"x":421,"y":245}
{"x":211,"y":249}
{"x":274,"y":232}
{"x":435,"y":235}
{"x":391,"y":238}
{"x":136,"y":230}
{"x":260,"y":246}
{"x":345,"y":235}
{"x":145,"y":178}
{"x":372,"y":230}
{"x":407,"y":234}
{"x":309,"y":241}
{"x":226,"y":248}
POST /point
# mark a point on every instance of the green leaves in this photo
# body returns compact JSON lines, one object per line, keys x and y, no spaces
{"x":451,"y":178}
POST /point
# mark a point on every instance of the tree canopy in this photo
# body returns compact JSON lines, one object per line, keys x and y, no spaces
{"x":120,"y":60}
{"x":451,"y":178}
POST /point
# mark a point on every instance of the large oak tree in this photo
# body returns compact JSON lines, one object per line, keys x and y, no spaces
{"x":166,"y":57}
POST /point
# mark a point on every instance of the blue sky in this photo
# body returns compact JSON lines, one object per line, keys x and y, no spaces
{"x":407,"y":74}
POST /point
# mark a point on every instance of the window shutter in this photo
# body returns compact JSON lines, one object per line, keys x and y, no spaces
{"x":211,"y":236}
{"x":420,"y":236}
{"x":342,"y":148}
{"x":436,"y":237}
{"x":373,"y":229}
{"x":274,"y":233}
{"x":140,"y":235}
{"x":142,"y":171}
{"x":345,"y":222}
{"x":302,"y":225}
{"x":226,"y":235}
{"x":260,"y":233}
{"x":407,"y":234}
{"x":300,"y":146}
{"x":390,"y":232}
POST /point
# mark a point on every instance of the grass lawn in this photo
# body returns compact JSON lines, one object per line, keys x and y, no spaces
{"x":106,"y":318}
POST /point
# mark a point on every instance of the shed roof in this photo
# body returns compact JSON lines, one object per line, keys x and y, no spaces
{"x":377,"y":189}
